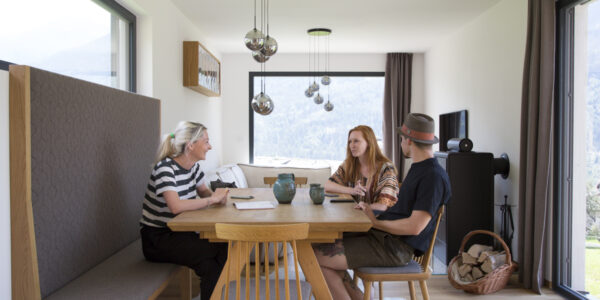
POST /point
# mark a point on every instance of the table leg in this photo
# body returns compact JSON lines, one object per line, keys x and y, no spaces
{"x":312,"y":271}
{"x":218,"y":291}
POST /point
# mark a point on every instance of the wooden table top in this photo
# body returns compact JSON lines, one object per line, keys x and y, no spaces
{"x":328,"y":217}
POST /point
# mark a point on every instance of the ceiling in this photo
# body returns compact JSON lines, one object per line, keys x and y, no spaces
{"x":375,"y":26}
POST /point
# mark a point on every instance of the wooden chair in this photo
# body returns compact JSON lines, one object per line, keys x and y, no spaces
{"x":417,"y":269}
{"x":242,"y":238}
{"x":300,"y":181}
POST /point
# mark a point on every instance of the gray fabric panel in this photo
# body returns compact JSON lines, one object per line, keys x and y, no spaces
{"x":411,"y":267}
{"x":396,"y":105}
{"x":91,"y":153}
{"x":305,"y":289}
{"x":537,"y":143}
{"x":125,"y":275}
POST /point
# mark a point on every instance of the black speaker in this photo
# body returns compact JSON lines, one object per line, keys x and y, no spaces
{"x":471,"y":205}
{"x":460,"y":145}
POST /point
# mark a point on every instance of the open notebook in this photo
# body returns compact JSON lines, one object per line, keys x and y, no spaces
{"x":254,"y":205}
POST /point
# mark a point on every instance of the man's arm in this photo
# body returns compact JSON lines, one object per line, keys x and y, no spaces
{"x":412,"y":225}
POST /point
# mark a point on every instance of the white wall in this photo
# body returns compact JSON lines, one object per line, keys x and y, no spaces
{"x":161,"y":30}
{"x":236,"y":67}
{"x":5,"y":283}
{"x":480,"y":68}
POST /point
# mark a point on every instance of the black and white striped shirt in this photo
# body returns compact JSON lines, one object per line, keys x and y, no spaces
{"x":168,"y":175}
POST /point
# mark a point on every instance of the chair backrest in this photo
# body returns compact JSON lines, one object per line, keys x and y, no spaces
{"x":299,"y":181}
{"x":242,"y":238}
{"x":426,"y":257}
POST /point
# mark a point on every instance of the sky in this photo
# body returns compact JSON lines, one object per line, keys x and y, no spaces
{"x":49,"y":28}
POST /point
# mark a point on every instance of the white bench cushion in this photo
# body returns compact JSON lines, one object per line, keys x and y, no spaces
{"x":227,"y":173}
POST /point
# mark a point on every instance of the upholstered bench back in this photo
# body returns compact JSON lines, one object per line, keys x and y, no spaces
{"x":255,"y":174}
{"x":90,"y":155}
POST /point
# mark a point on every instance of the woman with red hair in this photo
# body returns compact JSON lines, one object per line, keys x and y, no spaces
{"x":366,"y":173}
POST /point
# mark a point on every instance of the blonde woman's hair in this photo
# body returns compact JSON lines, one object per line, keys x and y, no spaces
{"x":173,"y":145}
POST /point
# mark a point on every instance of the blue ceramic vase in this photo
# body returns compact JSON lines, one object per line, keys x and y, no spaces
{"x":285,"y":188}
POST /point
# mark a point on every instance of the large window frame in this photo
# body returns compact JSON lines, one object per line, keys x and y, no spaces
{"x":115,"y":8}
{"x":563,"y":147}
{"x":251,"y":94}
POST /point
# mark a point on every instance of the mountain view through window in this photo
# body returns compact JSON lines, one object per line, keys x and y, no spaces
{"x":299,"y":129}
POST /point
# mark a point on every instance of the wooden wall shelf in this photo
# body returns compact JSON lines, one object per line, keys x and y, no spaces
{"x":201,"y":69}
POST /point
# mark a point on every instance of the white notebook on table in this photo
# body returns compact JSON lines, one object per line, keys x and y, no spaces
{"x":254,"y":205}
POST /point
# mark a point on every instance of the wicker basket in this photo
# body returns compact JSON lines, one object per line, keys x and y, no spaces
{"x":491,"y":282}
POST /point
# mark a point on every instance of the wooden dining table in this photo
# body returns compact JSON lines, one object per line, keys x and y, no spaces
{"x":327,"y":222}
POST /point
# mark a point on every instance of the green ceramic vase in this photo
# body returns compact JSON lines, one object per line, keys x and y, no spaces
{"x":285,"y":188}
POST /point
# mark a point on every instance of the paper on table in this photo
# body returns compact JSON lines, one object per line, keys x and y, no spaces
{"x":254,"y":205}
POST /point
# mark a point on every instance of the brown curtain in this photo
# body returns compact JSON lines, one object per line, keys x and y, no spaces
{"x":536,"y":142}
{"x":396,"y":104}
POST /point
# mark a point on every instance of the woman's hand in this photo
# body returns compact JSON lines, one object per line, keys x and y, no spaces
{"x":219,"y":196}
{"x":358,"y":189}
{"x":366,"y":208}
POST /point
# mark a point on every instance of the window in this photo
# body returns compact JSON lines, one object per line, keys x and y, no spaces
{"x":577,"y":172}
{"x":89,"y":40}
{"x":300,"y":130}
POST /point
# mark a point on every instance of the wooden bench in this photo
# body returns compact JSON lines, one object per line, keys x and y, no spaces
{"x":80,"y":159}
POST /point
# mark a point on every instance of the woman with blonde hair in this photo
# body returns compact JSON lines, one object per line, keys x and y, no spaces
{"x":177,"y":184}
{"x":365,"y":173}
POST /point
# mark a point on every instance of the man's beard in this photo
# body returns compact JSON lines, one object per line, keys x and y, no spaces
{"x":405,"y":155}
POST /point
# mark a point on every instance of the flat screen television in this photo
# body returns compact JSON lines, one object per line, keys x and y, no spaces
{"x":453,"y":125}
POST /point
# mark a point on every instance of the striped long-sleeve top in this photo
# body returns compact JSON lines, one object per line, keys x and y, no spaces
{"x":168,"y":175}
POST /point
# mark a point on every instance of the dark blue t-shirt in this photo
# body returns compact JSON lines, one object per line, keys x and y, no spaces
{"x":425,"y":187}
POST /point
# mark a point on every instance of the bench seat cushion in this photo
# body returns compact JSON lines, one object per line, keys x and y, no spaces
{"x":411,"y":267}
{"x":125,"y":275}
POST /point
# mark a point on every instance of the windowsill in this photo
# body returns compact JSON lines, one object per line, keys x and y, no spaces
{"x":296,"y":162}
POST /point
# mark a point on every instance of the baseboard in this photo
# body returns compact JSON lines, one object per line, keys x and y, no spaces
{"x":548,"y":283}
{"x":514,"y":280}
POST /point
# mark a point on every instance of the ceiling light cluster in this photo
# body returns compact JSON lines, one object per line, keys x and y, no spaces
{"x":262,"y":49}
{"x":314,"y":60}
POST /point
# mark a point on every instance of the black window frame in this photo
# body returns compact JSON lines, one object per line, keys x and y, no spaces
{"x":563,"y":147}
{"x":116,"y":8}
{"x":4,"y":65}
{"x":113,"y":7}
{"x":251,"y":94}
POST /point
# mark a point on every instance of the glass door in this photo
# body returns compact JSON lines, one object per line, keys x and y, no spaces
{"x":577,"y":209}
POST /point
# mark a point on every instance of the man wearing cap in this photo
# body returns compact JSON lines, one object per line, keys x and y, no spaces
{"x":402,"y":229}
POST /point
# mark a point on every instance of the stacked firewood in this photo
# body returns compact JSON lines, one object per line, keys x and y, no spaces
{"x":479,"y":261}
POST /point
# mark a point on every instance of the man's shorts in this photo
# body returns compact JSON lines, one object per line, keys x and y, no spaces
{"x":375,"y":248}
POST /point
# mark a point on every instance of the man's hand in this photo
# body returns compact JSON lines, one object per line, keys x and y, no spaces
{"x":366,"y":208}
